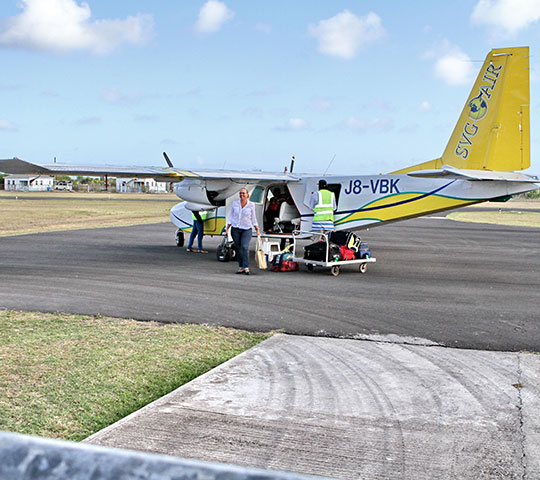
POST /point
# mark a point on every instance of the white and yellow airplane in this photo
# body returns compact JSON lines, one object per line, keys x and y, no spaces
{"x":489,"y":143}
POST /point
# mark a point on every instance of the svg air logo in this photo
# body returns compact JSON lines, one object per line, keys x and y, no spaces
{"x":478,"y":108}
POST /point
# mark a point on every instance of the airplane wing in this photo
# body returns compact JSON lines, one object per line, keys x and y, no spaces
{"x":17,"y":166}
{"x":448,"y":171}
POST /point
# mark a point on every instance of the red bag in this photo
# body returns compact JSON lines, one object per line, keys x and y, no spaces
{"x":286,"y":266}
{"x":346,"y":253}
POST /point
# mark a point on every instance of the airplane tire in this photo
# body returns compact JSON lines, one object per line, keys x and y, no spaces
{"x":179,"y":238}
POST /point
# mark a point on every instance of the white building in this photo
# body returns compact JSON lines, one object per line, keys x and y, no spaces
{"x":131,"y":185}
{"x":29,"y":183}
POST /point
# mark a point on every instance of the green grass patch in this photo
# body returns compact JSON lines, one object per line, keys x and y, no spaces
{"x":502,"y":217}
{"x":32,"y":215}
{"x":68,"y":376}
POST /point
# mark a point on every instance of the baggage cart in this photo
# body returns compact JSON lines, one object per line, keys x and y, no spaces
{"x":333,"y":264}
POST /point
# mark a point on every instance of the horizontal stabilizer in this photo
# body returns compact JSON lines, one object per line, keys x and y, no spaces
{"x":448,"y":171}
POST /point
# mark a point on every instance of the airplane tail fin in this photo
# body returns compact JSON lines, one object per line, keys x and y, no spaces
{"x":493,"y":131}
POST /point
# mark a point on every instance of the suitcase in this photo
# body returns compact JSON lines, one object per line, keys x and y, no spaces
{"x":317,"y":251}
{"x":363,"y":251}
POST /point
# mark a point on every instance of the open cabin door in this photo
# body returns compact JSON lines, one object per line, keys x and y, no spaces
{"x":280,"y":214}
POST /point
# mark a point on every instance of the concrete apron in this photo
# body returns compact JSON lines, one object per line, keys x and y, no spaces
{"x":352,"y":409}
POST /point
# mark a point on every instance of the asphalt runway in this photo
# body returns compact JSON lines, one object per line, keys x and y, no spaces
{"x":435,"y":282}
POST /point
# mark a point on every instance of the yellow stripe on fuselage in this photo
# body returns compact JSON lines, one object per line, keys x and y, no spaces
{"x":404,"y":205}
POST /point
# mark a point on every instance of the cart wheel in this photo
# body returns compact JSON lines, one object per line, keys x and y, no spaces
{"x":335,"y":270}
{"x":309,"y":267}
{"x":363,"y":268}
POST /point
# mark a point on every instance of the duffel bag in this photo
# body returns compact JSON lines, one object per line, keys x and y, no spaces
{"x":346,"y":253}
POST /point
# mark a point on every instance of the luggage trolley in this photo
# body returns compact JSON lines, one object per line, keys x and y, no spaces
{"x":333,"y":264}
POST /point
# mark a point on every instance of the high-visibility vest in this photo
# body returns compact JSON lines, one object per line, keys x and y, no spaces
{"x":324,"y":210}
{"x":202,"y":213}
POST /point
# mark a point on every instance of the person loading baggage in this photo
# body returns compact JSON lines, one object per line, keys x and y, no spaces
{"x":323,"y":204}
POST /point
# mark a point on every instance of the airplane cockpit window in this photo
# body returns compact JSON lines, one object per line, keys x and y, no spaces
{"x":256,"y":195}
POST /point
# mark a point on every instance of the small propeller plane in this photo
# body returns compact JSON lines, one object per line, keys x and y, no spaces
{"x":490,"y":141}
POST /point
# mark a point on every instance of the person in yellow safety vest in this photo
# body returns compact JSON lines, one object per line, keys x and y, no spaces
{"x":323,"y":203}
{"x":197,"y":230}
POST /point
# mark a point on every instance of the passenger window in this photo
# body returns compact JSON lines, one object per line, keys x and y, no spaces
{"x":257,"y":194}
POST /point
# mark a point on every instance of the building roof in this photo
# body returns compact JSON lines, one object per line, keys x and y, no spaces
{"x":27,"y":177}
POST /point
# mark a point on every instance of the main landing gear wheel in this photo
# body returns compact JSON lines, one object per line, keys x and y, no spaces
{"x":179,"y":238}
{"x":363,"y":268}
{"x":334,"y":270}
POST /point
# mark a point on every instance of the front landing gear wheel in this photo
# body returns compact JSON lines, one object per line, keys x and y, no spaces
{"x":363,"y":268}
{"x":179,"y":238}
{"x":335,"y":270}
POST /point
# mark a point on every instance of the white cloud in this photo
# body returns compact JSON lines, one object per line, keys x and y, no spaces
{"x":212,"y":16}
{"x":452,"y":65}
{"x":8,"y":126}
{"x":321,"y":104}
{"x":344,"y":34}
{"x":294,"y":125}
{"x":425,"y":106}
{"x":507,"y":16}
{"x":63,"y":25}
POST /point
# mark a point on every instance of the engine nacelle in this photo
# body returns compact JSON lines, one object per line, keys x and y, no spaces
{"x":197,"y":207}
{"x":206,"y":194}
{"x":194,"y":191}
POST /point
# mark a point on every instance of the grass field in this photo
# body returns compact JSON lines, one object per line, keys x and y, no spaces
{"x":68,"y":376}
{"x":29,"y":213}
{"x":515,"y":212}
{"x":502,"y":217}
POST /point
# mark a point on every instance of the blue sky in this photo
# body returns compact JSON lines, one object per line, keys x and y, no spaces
{"x":349,"y":86}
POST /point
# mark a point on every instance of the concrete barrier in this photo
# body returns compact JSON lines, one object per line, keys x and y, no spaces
{"x":24,"y":457}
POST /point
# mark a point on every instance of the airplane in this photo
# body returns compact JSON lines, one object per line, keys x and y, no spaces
{"x":490,"y":141}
